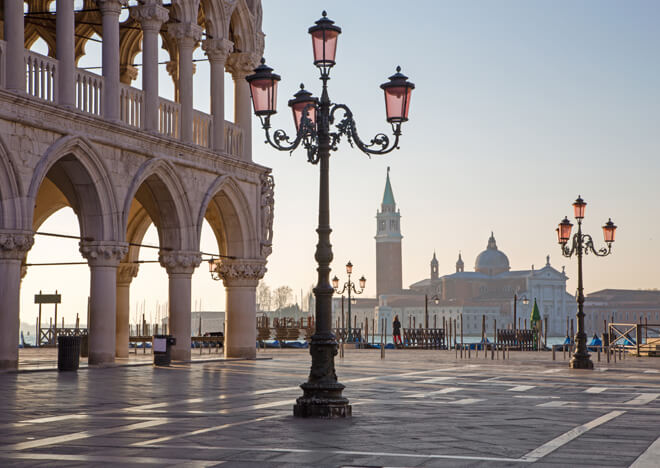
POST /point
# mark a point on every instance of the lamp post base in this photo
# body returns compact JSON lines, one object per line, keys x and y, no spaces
{"x":581,"y":362}
{"x":322,"y":401}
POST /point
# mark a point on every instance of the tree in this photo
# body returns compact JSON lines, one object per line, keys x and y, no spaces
{"x":282,"y":297}
{"x":264,"y":297}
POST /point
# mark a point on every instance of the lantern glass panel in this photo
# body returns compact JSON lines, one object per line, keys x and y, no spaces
{"x":363,"y":282}
{"x":565,"y":231}
{"x":397,"y":103}
{"x":349,"y":268}
{"x":264,"y":96}
{"x":298,"y":110}
{"x":324,"y":45}
{"x":579,"y":208}
{"x":609,"y":230}
{"x":335,"y":282}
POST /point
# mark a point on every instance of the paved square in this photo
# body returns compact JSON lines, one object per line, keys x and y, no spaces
{"x":415,"y":408}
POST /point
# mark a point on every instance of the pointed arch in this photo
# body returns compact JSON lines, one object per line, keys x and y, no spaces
{"x":242,"y":27}
{"x":77,"y":169}
{"x":159,"y":190}
{"x":232,"y":219}
{"x":11,"y":191}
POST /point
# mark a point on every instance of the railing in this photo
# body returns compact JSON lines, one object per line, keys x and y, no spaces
{"x":233,"y":139}
{"x":168,"y":117}
{"x":201,"y":129}
{"x":41,"y":80}
{"x":3,"y":46}
{"x":130,"y":105}
{"x":89,"y":92}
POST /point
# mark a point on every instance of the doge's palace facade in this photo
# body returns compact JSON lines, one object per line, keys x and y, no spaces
{"x":123,"y":157}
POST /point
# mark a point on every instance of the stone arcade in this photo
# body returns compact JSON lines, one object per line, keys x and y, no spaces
{"x":124,"y":158}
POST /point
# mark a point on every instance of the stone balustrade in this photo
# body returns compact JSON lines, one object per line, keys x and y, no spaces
{"x":41,"y":79}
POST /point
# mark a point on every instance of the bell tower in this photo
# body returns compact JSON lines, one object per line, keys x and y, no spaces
{"x":388,"y":244}
{"x":434,"y":267}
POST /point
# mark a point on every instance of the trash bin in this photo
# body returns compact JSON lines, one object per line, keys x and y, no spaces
{"x":68,"y":353}
{"x":84,"y":345}
{"x":162,"y":348}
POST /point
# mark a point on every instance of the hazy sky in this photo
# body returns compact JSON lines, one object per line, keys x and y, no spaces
{"x":519,"y":107}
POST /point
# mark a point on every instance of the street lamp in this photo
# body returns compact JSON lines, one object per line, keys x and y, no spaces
{"x":515,"y":311}
{"x":582,"y":244}
{"x":313,"y":117}
{"x":436,"y":300}
{"x":350,"y":287}
{"x":214,"y":264}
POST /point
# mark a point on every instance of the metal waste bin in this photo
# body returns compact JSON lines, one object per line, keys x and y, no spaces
{"x":68,"y":353}
{"x":162,"y":349}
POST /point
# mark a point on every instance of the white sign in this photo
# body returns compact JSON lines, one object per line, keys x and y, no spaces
{"x":160,"y":345}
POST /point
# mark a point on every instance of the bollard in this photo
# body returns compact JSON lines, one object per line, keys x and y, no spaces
{"x":553,"y":352}
{"x":469,"y":352}
{"x":492,"y":352}
{"x":341,"y":350}
{"x":563,"y":349}
{"x":598,"y":349}
{"x":607,"y":353}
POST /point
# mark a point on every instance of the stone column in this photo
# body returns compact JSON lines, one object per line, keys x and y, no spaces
{"x":180,"y":266}
{"x":125,"y":274}
{"x":13,"y":247}
{"x":240,"y":278}
{"x":240,"y":65}
{"x":65,"y":50}
{"x":103,"y":259}
{"x":151,"y":16}
{"x":217,"y":51}
{"x":110,"y":10}
{"x":15,"y":37}
{"x":186,"y":35}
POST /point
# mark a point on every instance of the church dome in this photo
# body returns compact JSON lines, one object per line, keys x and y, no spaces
{"x":491,"y":261}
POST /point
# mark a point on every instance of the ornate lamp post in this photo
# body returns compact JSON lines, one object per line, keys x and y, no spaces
{"x":350,"y":287}
{"x":582,"y":244}
{"x":515,"y":311}
{"x":313,"y":118}
{"x":436,"y":300}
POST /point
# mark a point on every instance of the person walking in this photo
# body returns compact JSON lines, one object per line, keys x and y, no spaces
{"x":396,"y":332}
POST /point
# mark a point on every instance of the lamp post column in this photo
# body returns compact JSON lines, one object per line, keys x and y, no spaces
{"x":125,"y":274}
{"x":426,"y":311}
{"x":322,"y":395}
{"x":515,"y":313}
{"x":180,"y":266}
{"x":581,"y":358}
{"x":13,"y":247}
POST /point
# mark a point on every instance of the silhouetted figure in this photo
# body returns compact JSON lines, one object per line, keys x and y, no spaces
{"x":396,"y":332}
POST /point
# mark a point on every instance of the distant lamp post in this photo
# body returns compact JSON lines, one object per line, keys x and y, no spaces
{"x":436,"y":300}
{"x":313,"y":119}
{"x":582,"y":244}
{"x":349,"y":286}
{"x":214,"y":264}
{"x":515,"y":311}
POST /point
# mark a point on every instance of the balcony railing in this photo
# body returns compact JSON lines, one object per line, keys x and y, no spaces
{"x":168,"y":117}
{"x":89,"y":92}
{"x":201,"y":129}
{"x":3,"y":47}
{"x":130,"y":105}
{"x":41,"y":81}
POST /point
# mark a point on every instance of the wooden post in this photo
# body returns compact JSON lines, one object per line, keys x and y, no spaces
{"x":495,"y":338}
{"x":638,"y":335}
{"x":373,"y":331}
{"x":77,"y":321}
{"x":455,"y":347}
{"x":39,"y":327}
{"x":545,"y":331}
{"x":414,"y":322}
{"x":55,"y":323}
{"x":410,"y":321}
{"x":461,"y":335}
{"x":382,"y":339}
{"x":553,"y":352}
{"x":572,"y":330}
{"x":483,"y":327}
{"x":435,"y":321}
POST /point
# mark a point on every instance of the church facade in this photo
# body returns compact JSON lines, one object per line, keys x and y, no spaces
{"x":487,"y":292}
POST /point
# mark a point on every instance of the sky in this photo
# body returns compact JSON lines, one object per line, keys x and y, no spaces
{"x":519,"y":107}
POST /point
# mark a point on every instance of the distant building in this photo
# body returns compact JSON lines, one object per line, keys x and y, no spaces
{"x":488,"y":291}
{"x":621,"y":306}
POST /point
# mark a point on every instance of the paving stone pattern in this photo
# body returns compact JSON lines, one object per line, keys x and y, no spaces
{"x":414,"y":408}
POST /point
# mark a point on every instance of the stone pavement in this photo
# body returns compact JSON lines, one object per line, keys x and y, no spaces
{"x":415,"y":408}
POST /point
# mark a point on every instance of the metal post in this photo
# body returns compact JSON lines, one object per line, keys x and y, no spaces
{"x":426,"y":311}
{"x":580,"y":358}
{"x":515,"y":312}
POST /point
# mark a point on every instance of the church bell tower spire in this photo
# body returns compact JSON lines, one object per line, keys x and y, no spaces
{"x":388,"y":244}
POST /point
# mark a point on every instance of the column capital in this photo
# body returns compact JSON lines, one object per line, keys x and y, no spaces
{"x":241,"y":271}
{"x":242,"y":64}
{"x":179,"y":261}
{"x":15,"y":244}
{"x":111,"y":6}
{"x":185,"y":32}
{"x":103,"y":253}
{"x":126,"y":272}
{"x":217,"y":50}
{"x":150,"y":15}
